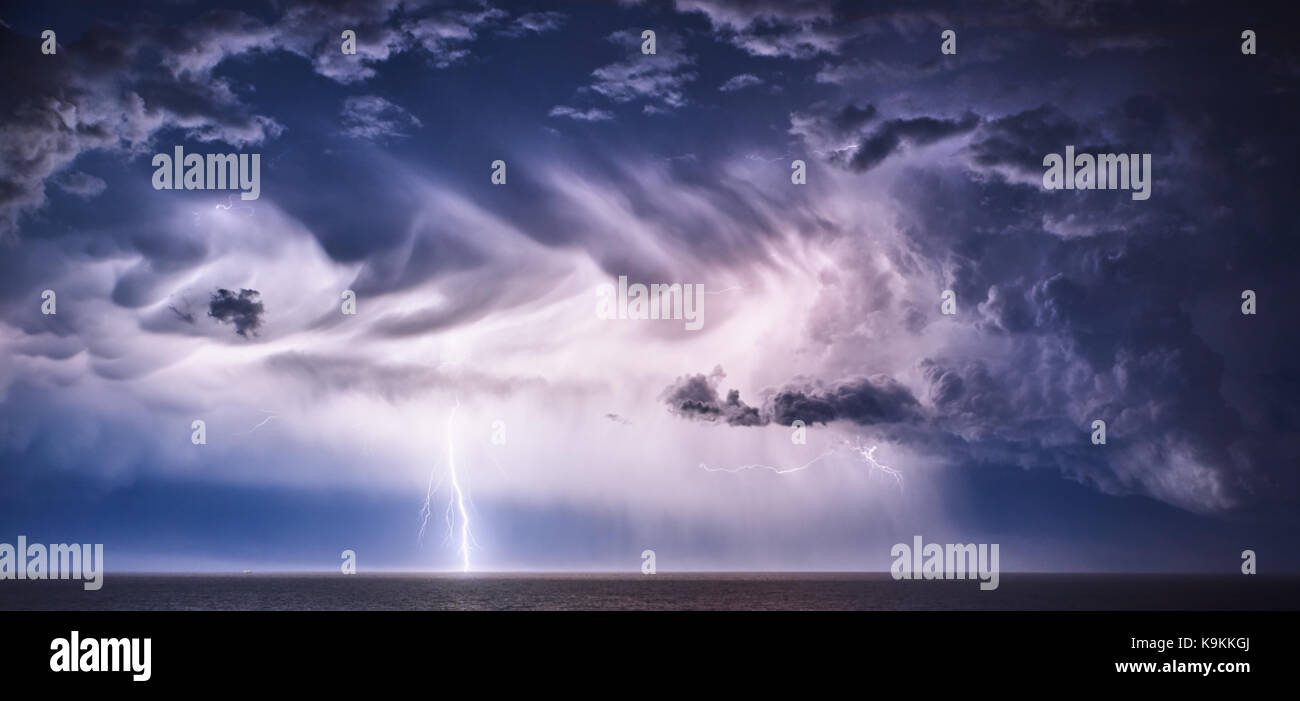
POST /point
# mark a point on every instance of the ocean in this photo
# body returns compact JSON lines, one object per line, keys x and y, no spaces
{"x":634,"y":591}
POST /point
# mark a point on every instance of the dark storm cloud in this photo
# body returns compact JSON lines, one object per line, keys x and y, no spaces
{"x":1094,"y":306}
{"x":826,"y":127}
{"x":1120,"y":312}
{"x":98,"y":96}
{"x":696,"y":397}
{"x":890,"y":137}
{"x":862,"y":401}
{"x":117,"y":92}
{"x":1018,"y":142}
{"x":243,"y":309}
{"x":1007,"y":309}
{"x":111,"y":90}
{"x":1086,"y":346}
{"x":946,"y":386}
{"x":851,"y":117}
{"x":1105,"y":308}
{"x":855,"y":140}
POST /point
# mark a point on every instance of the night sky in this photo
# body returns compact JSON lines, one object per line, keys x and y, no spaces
{"x":327,"y":431}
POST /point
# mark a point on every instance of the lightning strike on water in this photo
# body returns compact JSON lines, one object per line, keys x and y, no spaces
{"x":455,"y":488}
{"x":456,"y":502}
{"x":427,"y":509}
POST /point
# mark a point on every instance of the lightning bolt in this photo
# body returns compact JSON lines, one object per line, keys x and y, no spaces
{"x":869,"y":455}
{"x":427,"y":509}
{"x":859,"y":448}
{"x":777,"y":470}
{"x":455,"y":487}
{"x":230,"y":204}
{"x":263,"y":423}
{"x":457,"y":500}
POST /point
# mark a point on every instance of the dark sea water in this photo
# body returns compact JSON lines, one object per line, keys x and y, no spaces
{"x":729,"y":591}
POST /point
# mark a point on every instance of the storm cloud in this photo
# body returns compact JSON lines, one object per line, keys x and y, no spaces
{"x":863,"y":401}
{"x":823,"y":302}
{"x":696,"y":397}
{"x":243,"y":309}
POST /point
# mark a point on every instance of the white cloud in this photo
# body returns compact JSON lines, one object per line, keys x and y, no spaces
{"x":660,"y":79}
{"x":592,"y":114}
{"x":375,"y":118}
{"x":740,"y":82}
